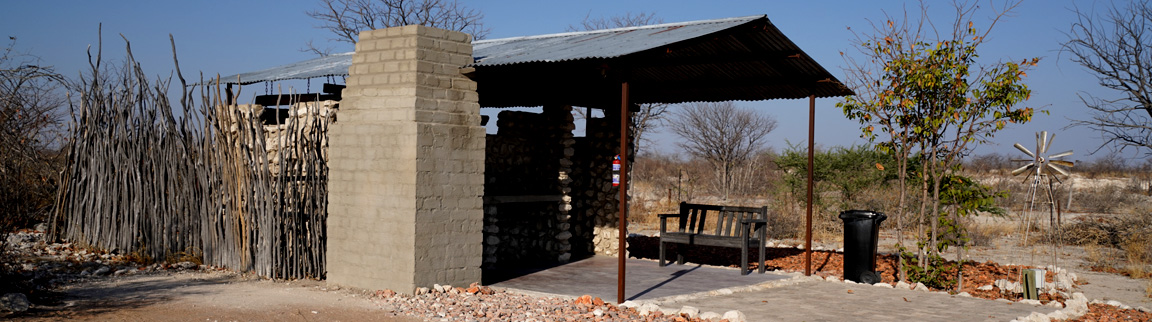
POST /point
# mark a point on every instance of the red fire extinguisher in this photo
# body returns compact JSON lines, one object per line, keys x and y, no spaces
{"x":616,"y":171}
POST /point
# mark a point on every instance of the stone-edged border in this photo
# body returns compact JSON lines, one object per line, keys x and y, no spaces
{"x":1074,"y":308}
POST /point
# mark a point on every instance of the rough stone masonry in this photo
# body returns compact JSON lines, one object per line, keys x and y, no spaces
{"x":406,"y":175}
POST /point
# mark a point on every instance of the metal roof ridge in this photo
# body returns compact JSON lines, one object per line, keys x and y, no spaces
{"x":589,"y":32}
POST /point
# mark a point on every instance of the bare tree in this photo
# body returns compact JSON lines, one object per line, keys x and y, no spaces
{"x":347,"y":18}
{"x":724,"y":135}
{"x":29,"y":119}
{"x":1116,"y":47}
{"x":649,"y":116}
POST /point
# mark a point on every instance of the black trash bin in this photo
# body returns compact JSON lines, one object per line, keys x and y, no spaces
{"x":861,"y":233}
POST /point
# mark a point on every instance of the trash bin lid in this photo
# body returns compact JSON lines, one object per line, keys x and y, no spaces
{"x":863,"y":214}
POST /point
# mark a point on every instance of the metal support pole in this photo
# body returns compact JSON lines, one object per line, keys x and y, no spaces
{"x":623,"y":192}
{"x":811,"y":157}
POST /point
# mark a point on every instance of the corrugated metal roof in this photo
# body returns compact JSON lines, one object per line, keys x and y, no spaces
{"x":331,"y":65}
{"x":606,"y":43}
{"x":743,"y":58}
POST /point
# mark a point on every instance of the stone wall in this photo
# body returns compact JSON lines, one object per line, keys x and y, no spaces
{"x":549,"y":196}
{"x":527,"y":189}
{"x":304,"y":124}
{"x":407,"y":160}
{"x":596,"y":203}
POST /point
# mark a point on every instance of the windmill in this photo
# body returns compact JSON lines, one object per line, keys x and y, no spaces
{"x":1044,"y":172}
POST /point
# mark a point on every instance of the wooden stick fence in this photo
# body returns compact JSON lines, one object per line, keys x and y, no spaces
{"x":208,"y":185}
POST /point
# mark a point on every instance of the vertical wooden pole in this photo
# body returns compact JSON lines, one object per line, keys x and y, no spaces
{"x":811,"y":157}
{"x":623,"y":192}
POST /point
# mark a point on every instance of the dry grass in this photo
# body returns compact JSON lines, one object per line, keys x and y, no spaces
{"x":1138,"y":252}
{"x":1100,"y":257}
{"x":982,"y":234}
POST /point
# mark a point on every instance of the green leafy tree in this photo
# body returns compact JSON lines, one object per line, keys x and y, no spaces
{"x":920,"y":93}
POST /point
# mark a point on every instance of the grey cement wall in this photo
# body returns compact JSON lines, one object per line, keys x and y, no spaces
{"x":407,"y":165}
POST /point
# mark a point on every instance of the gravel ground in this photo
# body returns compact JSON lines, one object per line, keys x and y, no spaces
{"x":62,"y":275}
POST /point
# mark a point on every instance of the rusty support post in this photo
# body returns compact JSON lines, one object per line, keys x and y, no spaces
{"x":620,"y":254}
{"x":811,"y":157}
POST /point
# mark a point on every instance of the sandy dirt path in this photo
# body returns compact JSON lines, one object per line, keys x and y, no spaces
{"x":207,"y":296}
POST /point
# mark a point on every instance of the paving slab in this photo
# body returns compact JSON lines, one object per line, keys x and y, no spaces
{"x":772,"y":296}
{"x":645,"y":279}
{"x":837,"y":301}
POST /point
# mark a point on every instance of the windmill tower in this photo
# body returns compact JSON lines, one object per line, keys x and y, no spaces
{"x":1044,"y":171}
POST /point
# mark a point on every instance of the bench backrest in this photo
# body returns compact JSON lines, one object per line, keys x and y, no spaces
{"x":724,"y":219}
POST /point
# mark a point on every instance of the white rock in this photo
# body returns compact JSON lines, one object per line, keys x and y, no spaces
{"x":1035,"y":317}
{"x":102,"y":270}
{"x":598,"y":312}
{"x":439,"y":288}
{"x":986,"y":288}
{"x":648,"y":309}
{"x":1033,"y":302}
{"x":1077,"y":305}
{"x":710,"y":316}
{"x":831,"y":279}
{"x":1055,"y":304}
{"x":964,"y":294}
{"x":14,"y":302}
{"x":669,"y":311}
{"x":1058,"y":315}
{"x":629,"y":304}
{"x":1117,"y":304}
{"x":691,"y":311}
{"x":902,"y":285}
{"x":125,"y":271}
{"x":733,"y":316}
{"x":884,"y":285}
{"x":921,"y":287}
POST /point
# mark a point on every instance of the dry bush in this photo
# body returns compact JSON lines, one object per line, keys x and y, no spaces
{"x":982,"y":234}
{"x":1111,"y":237}
{"x":1106,"y":199}
{"x":992,"y":163}
{"x":1100,"y":257}
{"x":1138,"y":252}
{"x":1110,"y":165}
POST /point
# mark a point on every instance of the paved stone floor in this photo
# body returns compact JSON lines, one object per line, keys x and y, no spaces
{"x":832,"y":301}
{"x":807,"y":300}
{"x":645,"y":280}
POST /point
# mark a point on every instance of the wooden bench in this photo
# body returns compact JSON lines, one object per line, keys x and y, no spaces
{"x":737,"y":227}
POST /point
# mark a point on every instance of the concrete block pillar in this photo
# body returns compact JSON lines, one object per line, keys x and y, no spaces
{"x":406,"y":173}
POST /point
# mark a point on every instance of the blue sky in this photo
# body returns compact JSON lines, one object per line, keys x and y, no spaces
{"x":229,"y":37}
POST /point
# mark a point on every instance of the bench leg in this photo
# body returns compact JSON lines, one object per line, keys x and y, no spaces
{"x":744,"y":254}
{"x":763,"y":244}
{"x":662,"y":262}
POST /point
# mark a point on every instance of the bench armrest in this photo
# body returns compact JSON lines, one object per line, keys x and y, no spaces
{"x":664,"y":221}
